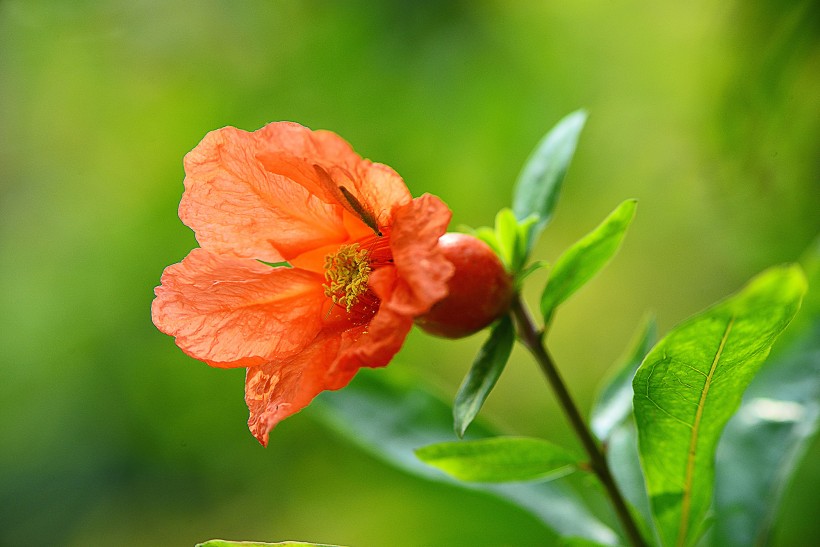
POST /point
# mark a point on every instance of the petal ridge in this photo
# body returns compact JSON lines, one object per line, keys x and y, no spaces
{"x":236,"y":206}
{"x":232,"y":312}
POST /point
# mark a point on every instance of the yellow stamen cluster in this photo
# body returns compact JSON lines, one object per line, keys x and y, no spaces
{"x":346,"y":273}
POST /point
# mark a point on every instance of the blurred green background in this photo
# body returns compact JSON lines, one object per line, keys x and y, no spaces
{"x":707,"y":112}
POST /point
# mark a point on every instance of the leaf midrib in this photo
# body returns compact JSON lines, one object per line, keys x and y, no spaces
{"x":693,"y":441}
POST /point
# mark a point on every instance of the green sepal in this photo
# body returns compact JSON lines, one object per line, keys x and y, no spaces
{"x":509,"y":240}
{"x":488,"y":236}
{"x":507,"y":233}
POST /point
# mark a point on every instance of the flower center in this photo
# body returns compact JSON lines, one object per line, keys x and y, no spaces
{"x":346,"y":273}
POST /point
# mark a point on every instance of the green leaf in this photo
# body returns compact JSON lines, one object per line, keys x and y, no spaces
{"x":486,"y":369}
{"x":506,"y":231}
{"x":390,"y":416}
{"x":226,"y":543}
{"x":689,"y":386}
{"x":499,"y":459}
{"x":585,"y":258}
{"x":768,"y":437}
{"x":523,"y":242}
{"x":538,"y":186}
{"x":488,"y":236}
{"x":613,"y":405}
{"x":508,"y":239}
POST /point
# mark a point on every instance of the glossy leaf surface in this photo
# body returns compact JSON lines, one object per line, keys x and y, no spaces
{"x":391,"y":417}
{"x":499,"y":459}
{"x":539,"y":185}
{"x":690,"y":385}
{"x":767,"y":438}
{"x":578,"y":264}
{"x":480,"y":380}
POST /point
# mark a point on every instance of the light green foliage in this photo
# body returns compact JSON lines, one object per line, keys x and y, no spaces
{"x":509,"y":240}
{"x":512,"y":237}
{"x":506,"y":230}
{"x":500,"y":459}
{"x":488,"y":236}
{"x":769,"y":435}
{"x":486,"y":369}
{"x":585,"y":258}
{"x":539,"y":184}
{"x":392,"y":418}
{"x":690,"y":385}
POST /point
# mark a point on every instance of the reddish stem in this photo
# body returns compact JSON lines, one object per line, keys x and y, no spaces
{"x":533,"y":341}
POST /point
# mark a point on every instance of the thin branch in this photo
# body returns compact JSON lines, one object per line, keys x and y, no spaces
{"x":533,"y":341}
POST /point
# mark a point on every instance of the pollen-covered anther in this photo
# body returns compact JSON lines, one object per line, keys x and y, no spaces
{"x":346,"y":275}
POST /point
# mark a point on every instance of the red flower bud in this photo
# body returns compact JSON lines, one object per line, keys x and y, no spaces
{"x":479,"y":292}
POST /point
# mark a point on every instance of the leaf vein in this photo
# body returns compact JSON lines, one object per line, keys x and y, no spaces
{"x":651,"y":400}
{"x":690,"y":463}
{"x":695,"y":369}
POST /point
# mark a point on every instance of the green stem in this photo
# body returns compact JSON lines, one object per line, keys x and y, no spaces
{"x":533,"y":341}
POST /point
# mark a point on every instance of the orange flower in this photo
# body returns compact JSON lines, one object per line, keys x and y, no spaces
{"x":361,"y":253}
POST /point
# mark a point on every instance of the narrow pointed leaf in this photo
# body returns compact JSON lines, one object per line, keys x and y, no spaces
{"x":523,"y":242}
{"x":690,"y":385}
{"x":585,"y":258}
{"x":486,"y":369}
{"x":768,"y":437}
{"x":539,"y":185}
{"x":613,"y":405}
{"x":499,"y":459}
{"x":390,"y":416}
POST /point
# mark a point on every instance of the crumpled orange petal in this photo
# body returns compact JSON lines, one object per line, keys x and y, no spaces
{"x":422,"y":270}
{"x":323,"y":162}
{"x":277,"y":390}
{"x":286,"y":193}
{"x":236,"y":206}
{"x":232,"y":312}
{"x":377,"y":347}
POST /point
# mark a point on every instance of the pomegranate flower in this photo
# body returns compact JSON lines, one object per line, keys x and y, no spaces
{"x":355,"y":262}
